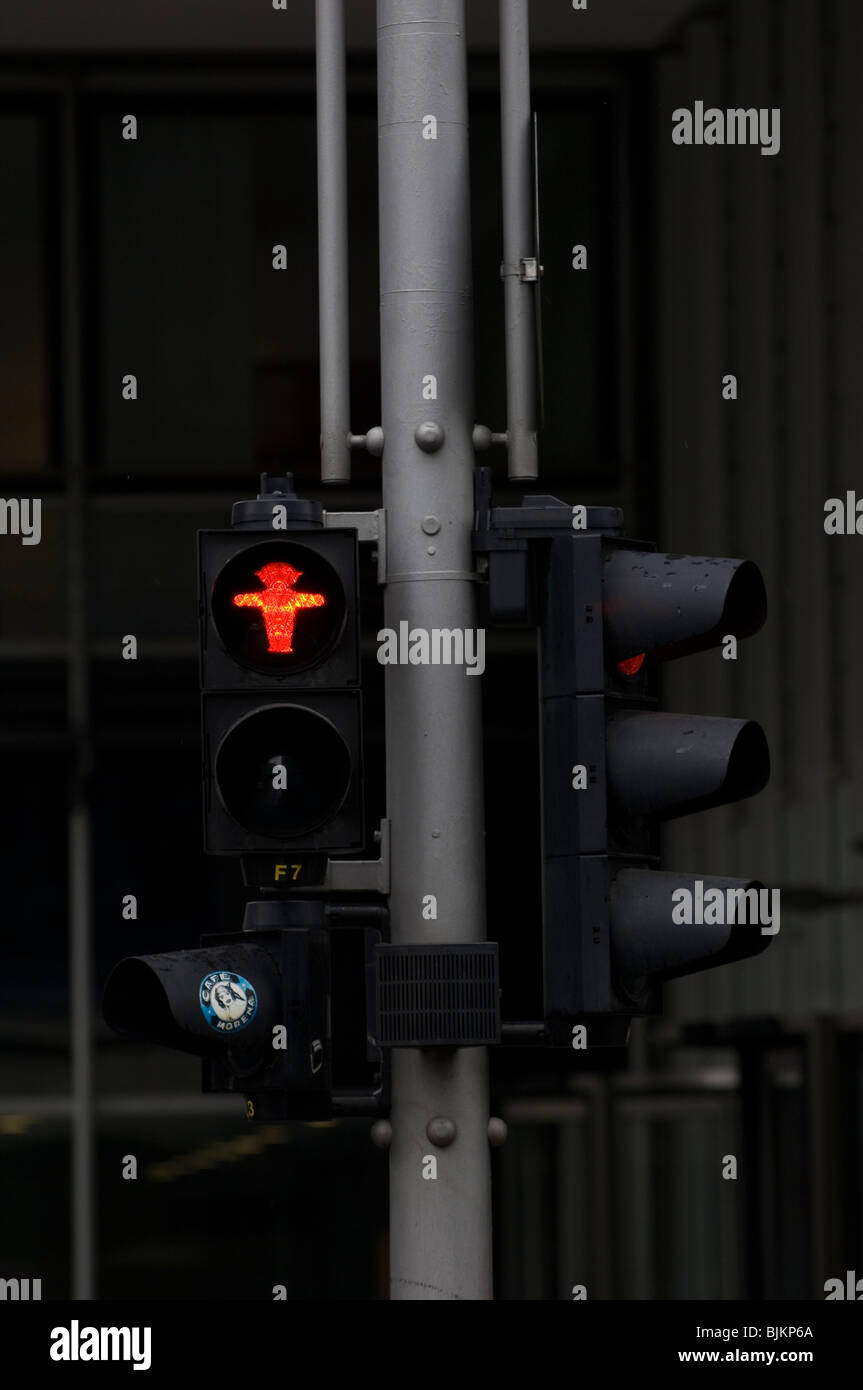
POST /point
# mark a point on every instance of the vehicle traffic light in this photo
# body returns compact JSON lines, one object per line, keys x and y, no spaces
{"x":227,"y":1003}
{"x":278,"y":1012}
{"x":614,"y":768}
{"x":610,"y":611}
{"x":279,"y":616}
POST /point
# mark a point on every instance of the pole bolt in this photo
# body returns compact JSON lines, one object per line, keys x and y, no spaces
{"x":441,"y":1131}
{"x":375,"y":442}
{"x":429,"y":436}
{"x":381,"y":1134}
{"x":431,"y":525}
{"x":497,"y":1132}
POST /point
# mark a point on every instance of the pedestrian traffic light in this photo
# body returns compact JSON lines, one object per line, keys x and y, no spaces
{"x":274,"y":1011}
{"x":614,"y":768}
{"x":278,"y":597}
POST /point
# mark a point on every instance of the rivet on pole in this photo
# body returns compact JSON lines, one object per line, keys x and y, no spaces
{"x":497,"y":1132}
{"x":441,"y":1131}
{"x":429,"y":436}
{"x":381,"y":1134}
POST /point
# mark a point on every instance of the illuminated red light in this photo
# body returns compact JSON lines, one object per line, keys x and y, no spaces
{"x":279,"y":603}
{"x":632,"y":665}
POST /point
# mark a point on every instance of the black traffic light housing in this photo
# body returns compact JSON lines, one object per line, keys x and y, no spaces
{"x":609,"y":611}
{"x":226,"y":1002}
{"x":271,"y":1011}
{"x":280,"y":675}
{"x":614,"y":768}
{"x":282,"y":1011}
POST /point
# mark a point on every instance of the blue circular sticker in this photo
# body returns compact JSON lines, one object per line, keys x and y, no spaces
{"x":228,"y":1001}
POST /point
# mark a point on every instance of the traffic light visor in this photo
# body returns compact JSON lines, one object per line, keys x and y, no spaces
{"x":666,"y":606}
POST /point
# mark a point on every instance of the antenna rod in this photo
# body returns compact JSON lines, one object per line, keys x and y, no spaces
{"x":333,"y":241}
{"x":518,"y":240}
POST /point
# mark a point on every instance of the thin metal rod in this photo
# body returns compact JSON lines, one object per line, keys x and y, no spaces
{"x":518,"y":239}
{"x":440,"y":1197}
{"x":524,"y":1032}
{"x":333,"y":309}
{"x":81,"y":1005}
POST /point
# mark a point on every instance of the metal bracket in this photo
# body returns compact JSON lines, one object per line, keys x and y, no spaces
{"x":373,"y":442}
{"x":366,"y":524}
{"x":371,"y":527}
{"x":528,"y":269}
{"x":361,"y":875}
{"x":506,"y":536}
{"x":483,"y":437}
{"x":538,"y":517}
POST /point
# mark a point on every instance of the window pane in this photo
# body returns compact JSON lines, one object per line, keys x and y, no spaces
{"x":175,"y":265}
{"x":34,"y":1218}
{"x":24,"y":431}
{"x":33,"y":981}
{"x":33,"y":581}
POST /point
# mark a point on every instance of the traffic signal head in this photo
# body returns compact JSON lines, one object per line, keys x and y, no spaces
{"x":280,"y":685}
{"x":671,"y":765}
{"x":198,"y":1001}
{"x":279,"y":609}
{"x":274,"y":1011}
{"x":656,"y":934}
{"x":659,"y":606}
{"x":256,"y":1012}
{"x":614,"y":768}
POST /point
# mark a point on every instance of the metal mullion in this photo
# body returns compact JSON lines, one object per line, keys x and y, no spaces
{"x":82,"y":1195}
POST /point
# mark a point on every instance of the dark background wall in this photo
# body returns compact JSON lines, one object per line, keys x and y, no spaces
{"x":701,"y":262}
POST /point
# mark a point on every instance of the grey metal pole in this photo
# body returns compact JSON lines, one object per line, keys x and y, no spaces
{"x":81,"y":1006}
{"x":518,"y":239}
{"x":440,"y":1227}
{"x":333,"y":311}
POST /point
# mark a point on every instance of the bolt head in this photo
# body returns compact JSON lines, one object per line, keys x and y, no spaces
{"x":429,"y":436}
{"x":375,"y":441}
{"x":381,"y":1134}
{"x":441,"y":1131}
{"x":497,"y":1132}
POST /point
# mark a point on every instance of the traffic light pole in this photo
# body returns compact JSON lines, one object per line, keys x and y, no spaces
{"x":440,"y":1213}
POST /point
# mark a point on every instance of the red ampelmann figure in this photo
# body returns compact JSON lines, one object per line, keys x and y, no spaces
{"x":279,"y":603}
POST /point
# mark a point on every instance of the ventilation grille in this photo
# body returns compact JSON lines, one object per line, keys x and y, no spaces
{"x":437,"y":996}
